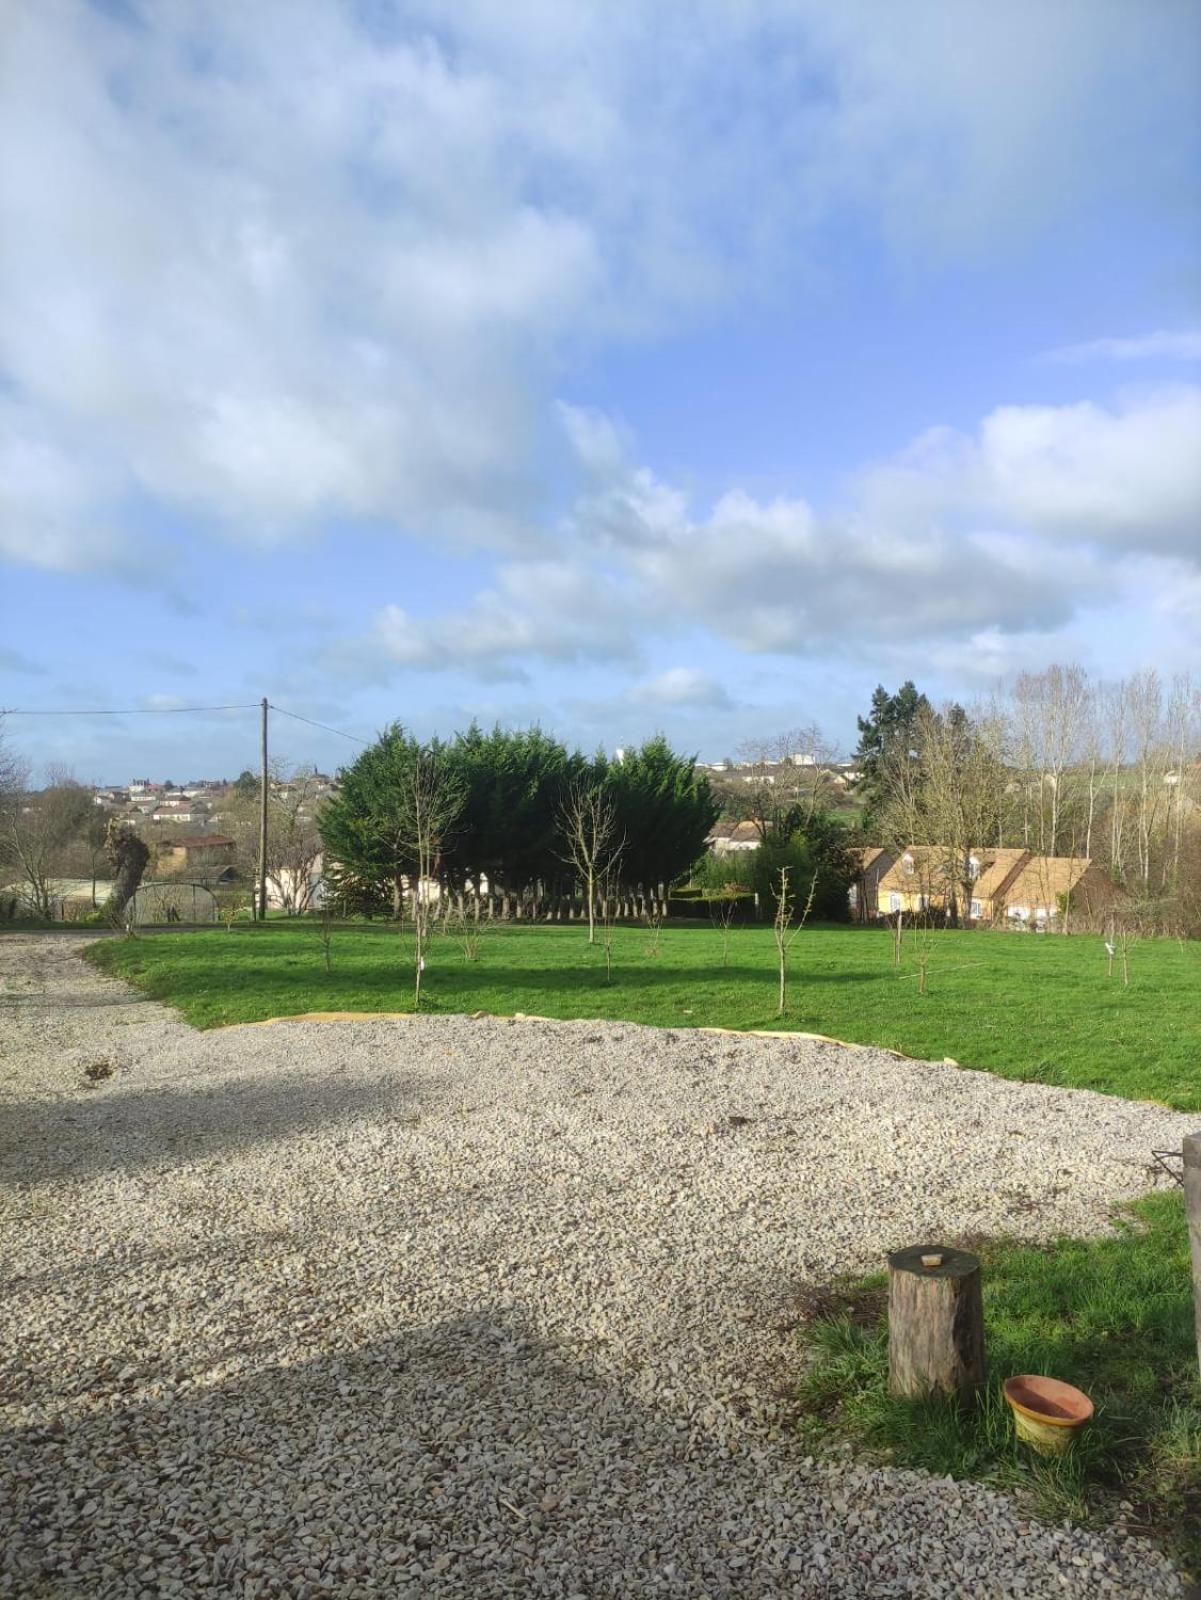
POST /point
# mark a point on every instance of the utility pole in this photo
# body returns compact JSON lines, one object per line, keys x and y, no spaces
{"x":263,"y":825}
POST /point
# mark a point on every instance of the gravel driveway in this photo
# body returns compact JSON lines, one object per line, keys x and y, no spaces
{"x":460,"y":1307}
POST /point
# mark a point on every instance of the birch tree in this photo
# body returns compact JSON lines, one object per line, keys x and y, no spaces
{"x":429,"y":801}
{"x":591,"y":843}
{"x":1051,"y":711}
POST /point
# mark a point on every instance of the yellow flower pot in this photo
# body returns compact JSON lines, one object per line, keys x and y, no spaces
{"x":1047,"y":1414}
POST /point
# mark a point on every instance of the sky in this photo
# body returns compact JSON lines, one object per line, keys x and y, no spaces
{"x":623,"y":368}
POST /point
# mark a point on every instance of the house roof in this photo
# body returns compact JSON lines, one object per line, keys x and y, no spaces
{"x":1044,"y":878}
{"x":929,"y":869}
{"x":927,"y":863}
{"x":737,"y":831}
{"x":866,"y":856}
{"x":198,"y":841}
{"x":997,"y":867}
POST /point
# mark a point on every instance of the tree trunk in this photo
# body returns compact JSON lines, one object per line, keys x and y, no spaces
{"x":129,"y":856}
{"x":935,"y":1322}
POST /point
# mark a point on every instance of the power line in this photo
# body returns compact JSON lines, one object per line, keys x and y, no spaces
{"x":135,"y":711}
{"x":175,"y":711}
{"x":325,"y":728}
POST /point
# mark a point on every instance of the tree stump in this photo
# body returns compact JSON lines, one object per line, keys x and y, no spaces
{"x":935,"y":1322}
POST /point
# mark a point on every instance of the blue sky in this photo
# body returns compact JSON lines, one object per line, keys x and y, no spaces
{"x":617,"y":367}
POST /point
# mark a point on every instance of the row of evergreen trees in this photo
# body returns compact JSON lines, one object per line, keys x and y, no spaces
{"x":494,"y":805}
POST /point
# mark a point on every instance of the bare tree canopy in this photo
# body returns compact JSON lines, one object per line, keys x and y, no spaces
{"x":591,"y":843}
{"x":36,"y":827}
{"x":781,"y":781}
{"x":293,"y":833}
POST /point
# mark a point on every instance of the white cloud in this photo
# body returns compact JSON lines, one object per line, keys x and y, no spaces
{"x":1163,"y":345}
{"x":961,"y":542}
{"x":555,"y":611}
{"x":1126,"y":476}
{"x":682,"y":686}
{"x":269,"y":265}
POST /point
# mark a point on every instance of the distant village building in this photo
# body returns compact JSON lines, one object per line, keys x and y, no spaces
{"x":180,"y":811}
{"x":733,"y":838}
{"x":199,"y":851}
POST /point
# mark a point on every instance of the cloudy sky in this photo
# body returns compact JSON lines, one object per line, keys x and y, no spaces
{"x":615,"y":366}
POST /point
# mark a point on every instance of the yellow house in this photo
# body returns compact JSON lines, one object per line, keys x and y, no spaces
{"x":1049,"y":886}
{"x":918,"y":881}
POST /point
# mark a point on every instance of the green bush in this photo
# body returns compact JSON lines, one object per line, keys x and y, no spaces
{"x":815,"y":857}
{"x":722,"y":872}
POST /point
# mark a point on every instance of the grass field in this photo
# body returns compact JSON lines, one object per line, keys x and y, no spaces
{"x":1025,"y":1006}
{"x":1113,"y":1316}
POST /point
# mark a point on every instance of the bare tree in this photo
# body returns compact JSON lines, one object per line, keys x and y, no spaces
{"x":14,"y":774}
{"x":608,"y":901}
{"x":293,"y":836}
{"x":1051,"y":710}
{"x":588,"y":831}
{"x":784,"y":775}
{"x":325,"y":927}
{"x":721,"y":910}
{"x":949,"y":801}
{"x":430,"y":800}
{"x":1093,"y":757}
{"x":1115,"y":707}
{"x":36,"y":827}
{"x":786,"y":925}
{"x":1145,"y":694}
{"x":1183,"y":732}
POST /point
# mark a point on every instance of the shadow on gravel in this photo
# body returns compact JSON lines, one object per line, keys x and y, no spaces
{"x":470,"y":1458}
{"x":64,"y":999}
{"x":128,"y":1130}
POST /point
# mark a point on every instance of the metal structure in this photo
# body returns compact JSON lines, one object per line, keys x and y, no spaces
{"x":172,"y":900}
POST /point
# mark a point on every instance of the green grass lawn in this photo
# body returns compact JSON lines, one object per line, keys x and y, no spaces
{"x":1022,"y":1005}
{"x":1113,"y":1316}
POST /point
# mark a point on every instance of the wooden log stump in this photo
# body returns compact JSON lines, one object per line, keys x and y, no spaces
{"x":935,"y":1322}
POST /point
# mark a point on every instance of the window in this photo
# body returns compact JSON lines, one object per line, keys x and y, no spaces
{"x":973,"y":867}
{"x":977,"y":909}
{"x":894,"y":901}
{"x":907,"y":863}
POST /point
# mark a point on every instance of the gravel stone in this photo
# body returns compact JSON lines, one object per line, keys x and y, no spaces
{"x":464,"y":1307}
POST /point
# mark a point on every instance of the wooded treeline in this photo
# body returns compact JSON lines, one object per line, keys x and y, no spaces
{"x":1059,"y":764}
{"x":516,"y":811}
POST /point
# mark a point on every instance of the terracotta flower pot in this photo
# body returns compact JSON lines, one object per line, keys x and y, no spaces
{"x":1048,"y":1414}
